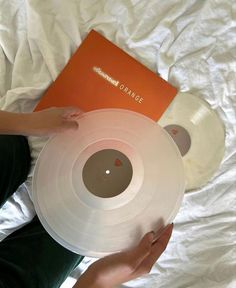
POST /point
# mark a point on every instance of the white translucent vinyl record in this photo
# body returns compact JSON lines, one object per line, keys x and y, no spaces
{"x":99,"y":189}
{"x":199,"y":134}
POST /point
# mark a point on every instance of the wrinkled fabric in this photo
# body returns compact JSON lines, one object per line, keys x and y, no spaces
{"x":189,"y":43}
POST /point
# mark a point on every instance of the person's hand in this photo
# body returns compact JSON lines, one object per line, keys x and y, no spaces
{"x":121,"y":267}
{"x":52,"y":120}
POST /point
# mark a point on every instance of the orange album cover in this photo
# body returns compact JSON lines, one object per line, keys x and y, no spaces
{"x":101,"y":75}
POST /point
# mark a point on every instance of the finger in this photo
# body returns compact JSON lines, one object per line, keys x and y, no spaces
{"x":70,"y":125}
{"x":161,"y":232}
{"x":159,"y":246}
{"x":157,"y":249}
{"x":69,"y":112}
{"x":142,"y":250}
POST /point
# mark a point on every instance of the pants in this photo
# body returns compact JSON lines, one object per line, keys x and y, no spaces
{"x":29,"y":257}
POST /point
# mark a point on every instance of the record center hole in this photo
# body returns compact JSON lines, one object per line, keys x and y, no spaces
{"x":107,"y":173}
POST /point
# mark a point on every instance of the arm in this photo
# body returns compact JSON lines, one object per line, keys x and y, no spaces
{"x":45,"y":122}
{"x":89,"y":281}
{"x":118,"y":268}
{"x":11,"y":123}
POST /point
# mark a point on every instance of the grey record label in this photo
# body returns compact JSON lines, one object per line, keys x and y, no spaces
{"x":180,"y":136}
{"x":107,"y":173}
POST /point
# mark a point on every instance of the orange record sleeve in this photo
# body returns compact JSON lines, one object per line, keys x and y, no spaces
{"x":101,"y":75}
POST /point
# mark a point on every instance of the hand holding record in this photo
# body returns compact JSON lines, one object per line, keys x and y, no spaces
{"x":42,"y":123}
{"x":121,"y":267}
{"x":51,"y":121}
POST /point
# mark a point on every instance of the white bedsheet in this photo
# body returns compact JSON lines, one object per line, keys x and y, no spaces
{"x":192,"y":44}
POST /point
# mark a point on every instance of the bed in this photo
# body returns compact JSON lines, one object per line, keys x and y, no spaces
{"x":191,"y":44}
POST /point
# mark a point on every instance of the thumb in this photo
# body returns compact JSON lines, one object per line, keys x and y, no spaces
{"x":70,"y":124}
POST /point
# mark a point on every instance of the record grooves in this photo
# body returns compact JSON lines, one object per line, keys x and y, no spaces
{"x":100,"y":189}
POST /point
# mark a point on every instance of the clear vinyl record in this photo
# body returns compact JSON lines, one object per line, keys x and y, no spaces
{"x":100,"y":189}
{"x":199,"y":135}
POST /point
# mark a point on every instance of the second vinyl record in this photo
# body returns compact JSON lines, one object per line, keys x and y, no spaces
{"x":100,"y":189}
{"x":199,"y":134}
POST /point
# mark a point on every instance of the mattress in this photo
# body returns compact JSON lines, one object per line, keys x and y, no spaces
{"x":191,"y":44}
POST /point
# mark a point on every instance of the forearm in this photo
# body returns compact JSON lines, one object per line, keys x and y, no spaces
{"x":43,"y":123}
{"x":89,"y":279}
{"x":14,"y":123}
{"x":88,"y":283}
{"x":82,"y":283}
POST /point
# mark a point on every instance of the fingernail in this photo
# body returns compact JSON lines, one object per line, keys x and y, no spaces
{"x":167,"y":228}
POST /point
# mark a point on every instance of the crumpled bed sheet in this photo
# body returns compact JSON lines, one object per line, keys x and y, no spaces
{"x":189,"y":43}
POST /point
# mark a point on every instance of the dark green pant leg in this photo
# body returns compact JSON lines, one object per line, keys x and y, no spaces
{"x":29,"y":257}
{"x":14,"y":164}
{"x":35,"y":259}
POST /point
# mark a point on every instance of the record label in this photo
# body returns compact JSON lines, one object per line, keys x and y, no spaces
{"x":107,"y":173}
{"x":180,"y":136}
